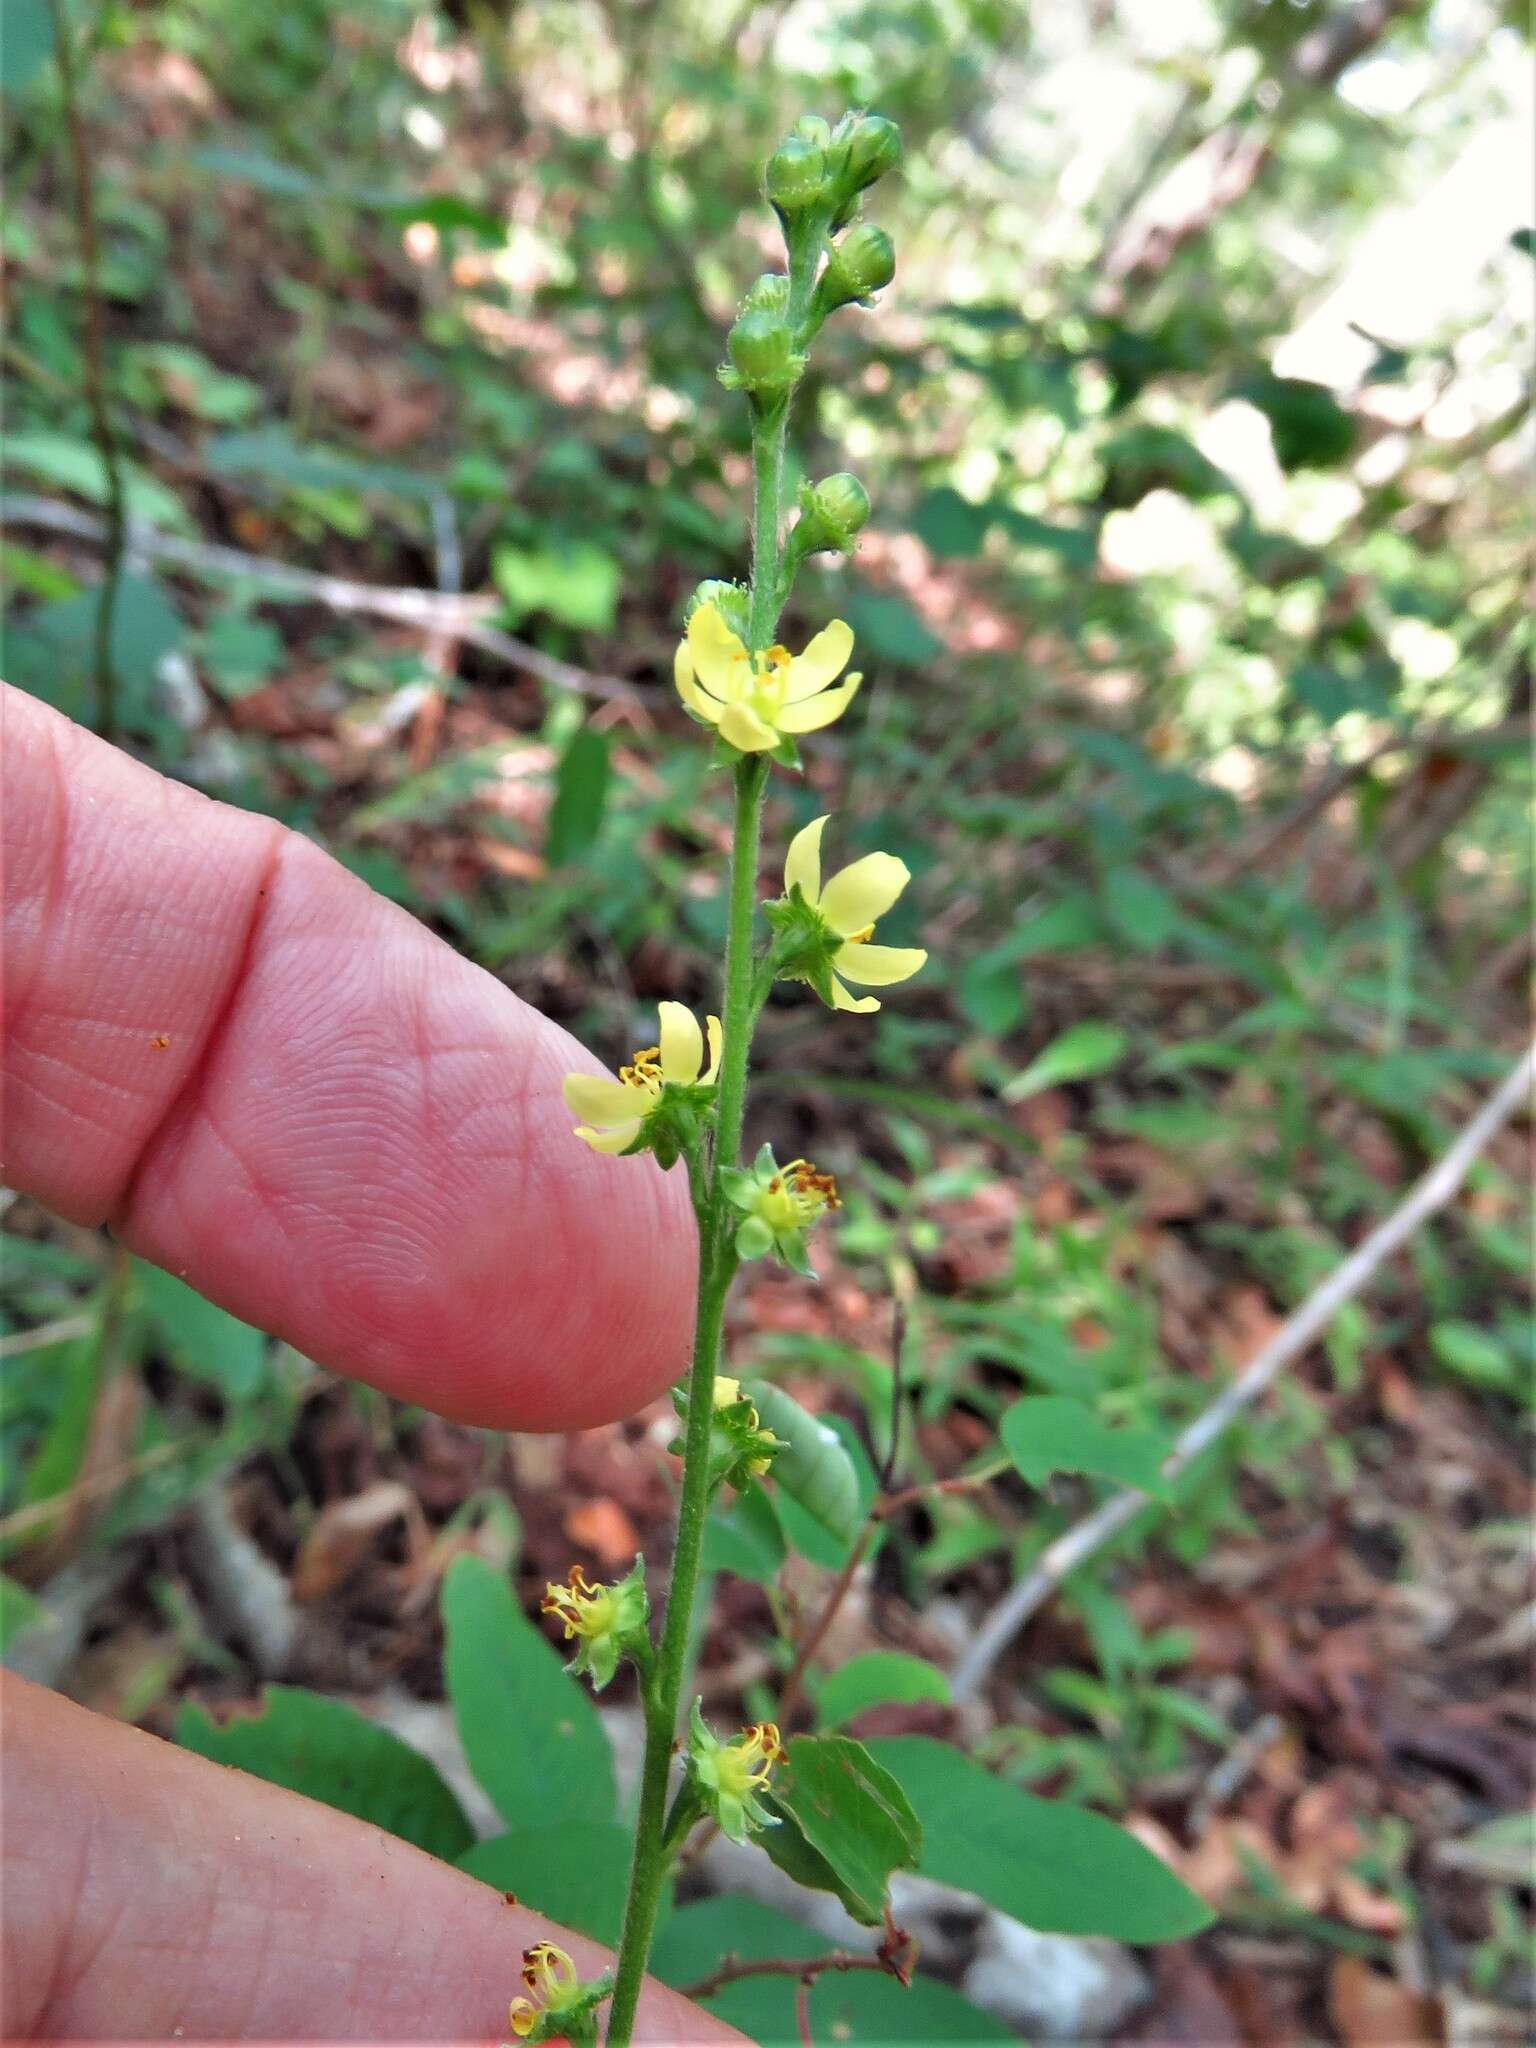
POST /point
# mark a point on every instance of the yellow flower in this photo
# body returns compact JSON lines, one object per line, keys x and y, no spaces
{"x":757,"y":700}
{"x":849,"y":905}
{"x":613,"y":1111}
{"x":730,"y":1775}
{"x":605,"y":1622}
{"x":748,"y":1434}
{"x":550,"y":1975}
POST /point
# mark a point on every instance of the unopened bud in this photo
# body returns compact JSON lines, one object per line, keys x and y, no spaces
{"x":841,"y":505}
{"x":811,"y":128}
{"x":761,"y":350}
{"x":768,"y":294}
{"x":729,"y":599}
{"x":859,"y":264}
{"x":873,"y":148}
{"x":797,"y":175}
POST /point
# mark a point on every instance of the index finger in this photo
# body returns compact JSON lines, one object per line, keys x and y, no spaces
{"x":283,"y":1088}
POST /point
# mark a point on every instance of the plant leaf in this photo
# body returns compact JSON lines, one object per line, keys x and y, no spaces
{"x":532,"y":1736}
{"x":851,"y":1814}
{"x":330,"y":1752}
{"x":1046,"y":1433}
{"x":878,"y":1677}
{"x":1056,"y":1867}
{"x":1078,"y":1054}
{"x":577,"y":1872}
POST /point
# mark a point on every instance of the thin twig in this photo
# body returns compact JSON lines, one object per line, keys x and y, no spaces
{"x":433,"y":611}
{"x":1295,"y":1336}
{"x":95,"y":373}
{"x":806,"y":1968}
{"x":810,"y":1643}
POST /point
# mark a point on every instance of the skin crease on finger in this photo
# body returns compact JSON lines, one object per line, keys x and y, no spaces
{"x":284,"y":1089}
{"x":151,"y":1895}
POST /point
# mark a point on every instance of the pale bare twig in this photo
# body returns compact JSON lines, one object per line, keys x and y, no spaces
{"x":464,"y":617}
{"x":1295,"y":1336}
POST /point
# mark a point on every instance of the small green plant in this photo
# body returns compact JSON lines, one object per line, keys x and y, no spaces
{"x":833,"y":1813}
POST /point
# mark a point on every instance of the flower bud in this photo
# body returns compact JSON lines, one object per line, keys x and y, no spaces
{"x":873,"y":148}
{"x":731,"y":600}
{"x":811,"y":128}
{"x":840,"y":506}
{"x":797,"y":175}
{"x":865,"y":260}
{"x":762,"y":352}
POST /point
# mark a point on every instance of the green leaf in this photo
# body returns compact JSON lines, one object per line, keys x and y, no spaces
{"x":949,"y":526}
{"x":877,"y":1678}
{"x":1475,"y":1355}
{"x":863,"y":2008}
{"x":815,"y":1468}
{"x":26,"y":43}
{"x":1087,"y":1049}
{"x":1311,"y":429}
{"x":241,"y":654}
{"x":1055,"y":1867}
{"x":532,"y":1736}
{"x":577,"y":1872}
{"x":1139,"y":909}
{"x":75,"y":466}
{"x":1046,"y":1433}
{"x":745,"y":1538}
{"x":576,"y":583}
{"x":20,"y":1611}
{"x":992,"y":995}
{"x":888,"y":628}
{"x":581,"y":792}
{"x":850,"y":1813}
{"x":201,"y":1340}
{"x":328,"y":1751}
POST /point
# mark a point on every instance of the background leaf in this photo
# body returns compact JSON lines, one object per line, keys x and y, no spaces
{"x":1056,"y":1867}
{"x":576,"y":1872}
{"x":532,"y":1735}
{"x":330,"y":1752}
{"x":1046,"y":1433}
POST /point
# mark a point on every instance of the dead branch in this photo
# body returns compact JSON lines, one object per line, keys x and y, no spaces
{"x":461,"y":617}
{"x":1295,"y":1336}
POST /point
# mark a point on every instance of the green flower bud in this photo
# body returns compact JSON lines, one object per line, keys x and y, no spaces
{"x":864,"y":261}
{"x":762,"y":351}
{"x":797,"y":175}
{"x":731,"y":600}
{"x":873,"y":148}
{"x":840,"y":504}
{"x":811,"y":128}
{"x":769,"y":294}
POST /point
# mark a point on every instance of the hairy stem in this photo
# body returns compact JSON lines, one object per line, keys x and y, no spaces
{"x":717,"y":1265}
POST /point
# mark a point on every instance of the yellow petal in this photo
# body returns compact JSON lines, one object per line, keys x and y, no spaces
{"x":746,"y":731}
{"x":815,"y":712}
{"x":712,"y":1026}
{"x":857,"y":895}
{"x":698,"y":702}
{"x":802,"y":863}
{"x":682,"y":1045}
{"x":597,"y":1100}
{"x":714,"y":648}
{"x":614,"y":1141}
{"x":826,"y":657}
{"x":841,"y":1000}
{"x":879,"y":966}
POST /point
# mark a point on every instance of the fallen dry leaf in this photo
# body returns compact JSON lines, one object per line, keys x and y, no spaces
{"x":344,"y":1533}
{"x":1371,"y":2010}
{"x":603,"y":1527}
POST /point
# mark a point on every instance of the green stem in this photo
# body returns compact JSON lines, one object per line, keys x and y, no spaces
{"x":717,"y":1264}
{"x":743,"y":998}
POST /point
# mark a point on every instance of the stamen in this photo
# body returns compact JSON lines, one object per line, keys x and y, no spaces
{"x":644,"y":1070}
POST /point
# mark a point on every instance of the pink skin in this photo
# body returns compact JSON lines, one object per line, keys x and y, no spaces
{"x":268,"y":1080}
